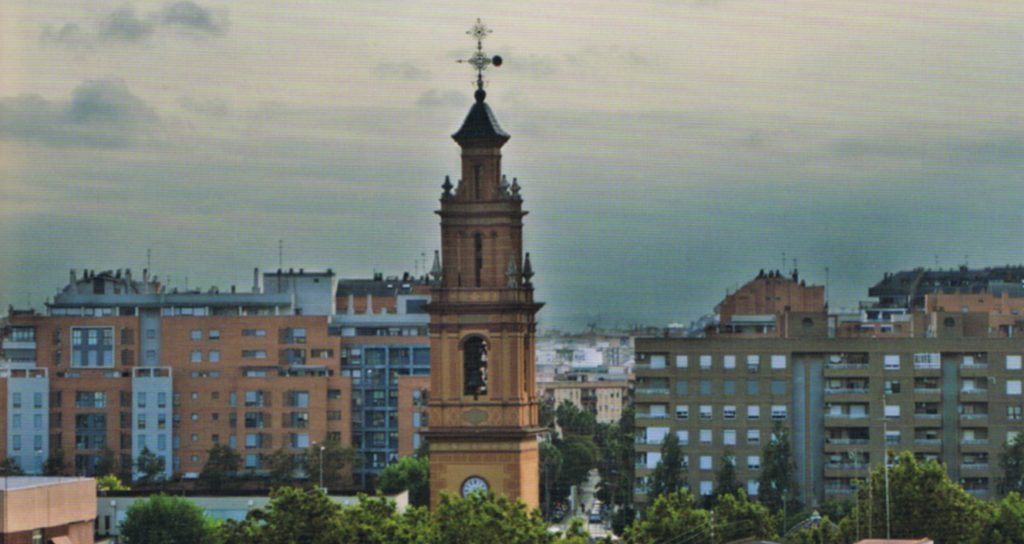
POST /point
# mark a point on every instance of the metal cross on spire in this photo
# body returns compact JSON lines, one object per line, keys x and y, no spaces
{"x":479,"y":60}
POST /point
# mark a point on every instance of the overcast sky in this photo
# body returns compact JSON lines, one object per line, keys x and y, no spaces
{"x":667,"y":150}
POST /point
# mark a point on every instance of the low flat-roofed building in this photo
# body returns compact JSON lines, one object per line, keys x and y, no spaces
{"x":47,"y":510}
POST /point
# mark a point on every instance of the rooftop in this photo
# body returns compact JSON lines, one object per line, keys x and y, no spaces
{"x":14,"y":483}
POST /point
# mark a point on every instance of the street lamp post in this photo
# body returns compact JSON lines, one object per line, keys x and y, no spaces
{"x":322,"y":448}
{"x":113,"y":523}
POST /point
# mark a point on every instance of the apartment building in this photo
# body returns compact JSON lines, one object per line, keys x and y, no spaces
{"x":604,"y":398}
{"x":118,"y":365}
{"x":947,"y":387}
{"x":385,"y":352}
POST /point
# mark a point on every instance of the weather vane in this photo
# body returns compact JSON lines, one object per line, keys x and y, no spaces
{"x":479,"y":59}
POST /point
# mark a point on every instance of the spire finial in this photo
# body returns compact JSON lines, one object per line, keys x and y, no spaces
{"x":479,"y":60}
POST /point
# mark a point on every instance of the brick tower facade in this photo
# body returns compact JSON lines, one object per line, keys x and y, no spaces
{"x":483,"y":403}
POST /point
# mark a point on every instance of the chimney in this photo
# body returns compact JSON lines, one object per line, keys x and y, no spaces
{"x":351,"y":310}
{"x":255,"y":280}
{"x":72,"y":276}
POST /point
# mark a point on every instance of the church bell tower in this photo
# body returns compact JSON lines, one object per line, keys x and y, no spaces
{"x":483,"y":412}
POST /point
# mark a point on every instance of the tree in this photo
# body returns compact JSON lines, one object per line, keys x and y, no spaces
{"x":484,"y":517}
{"x":550,"y":469}
{"x":672,"y":517}
{"x":579,"y":455}
{"x":150,"y":467}
{"x":726,"y":483}
{"x":547,"y":412}
{"x":777,"y":487}
{"x":374,"y":520}
{"x":293,"y":516}
{"x":222,"y":464}
{"x":736,"y":517}
{"x":281,"y":467}
{"x":617,"y":467}
{"x":1012,"y":463}
{"x":823,"y":532}
{"x":105,"y":463}
{"x":336,"y":459}
{"x":167,"y":520}
{"x":110,"y":482}
{"x":669,"y":475}
{"x":922,"y":499}
{"x":1006,"y":525}
{"x":54,"y":464}
{"x":9,"y":467}
{"x":412,"y":473}
{"x":575,"y":421}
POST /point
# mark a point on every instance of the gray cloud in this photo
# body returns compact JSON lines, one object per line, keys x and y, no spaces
{"x":402,"y":70}
{"x":123,"y":25}
{"x":69,"y":34}
{"x":448,"y":99}
{"x":102,"y":113}
{"x":188,"y":14}
{"x":217,"y":107}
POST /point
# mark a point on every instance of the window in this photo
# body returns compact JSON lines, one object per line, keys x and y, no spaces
{"x":254,"y":354}
{"x":83,"y":399}
{"x":753,"y":436}
{"x":92,"y":347}
{"x":753,"y":412}
{"x":753,"y":486}
{"x":657,"y":362}
{"x":705,"y":436}
{"x":252,"y":460}
{"x":729,"y":411}
{"x":656,"y":435}
{"x":16,"y":400}
{"x":214,"y":334}
{"x":298,"y":399}
{"x":254,"y":332}
{"x":1013,"y":362}
{"x":753,"y":363}
{"x":682,"y":411}
{"x":475,"y":366}
{"x":684,"y":437}
{"x":333,"y":394}
{"x":705,"y":462}
{"x":706,"y":488}
{"x":37,"y":400}
{"x":299,"y":440}
{"x":140,"y":399}
{"x":16,"y":442}
{"x":729,"y":437}
{"x":1013,"y":387}
{"x":705,"y":362}
{"x":1013,"y":413}
{"x":16,"y":422}
{"x":778,"y":362}
{"x":682,"y":361}
{"x":753,"y":387}
{"x":682,"y":388}
{"x":37,"y":422}
{"x":892,"y":387}
{"x":195,"y":437}
{"x":892,"y":437}
{"x":892,"y":362}
{"x":778,"y":411}
{"x":23,"y":334}
{"x":892,"y":411}
{"x":705,"y":388}
{"x":706,"y":411}
{"x":754,"y":462}
{"x":335,"y":415}
{"x":197,"y":356}
{"x":140,"y":421}
{"x":197,"y":334}
{"x":729,"y":388}
{"x":214,"y":356}
{"x":195,"y":416}
{"x":729,"y":362}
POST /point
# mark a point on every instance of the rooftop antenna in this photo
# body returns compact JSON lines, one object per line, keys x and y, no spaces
{"x":149,"y":259}
{"x":936,"y":262}
{"x":280,"y":254}
{"x":479,"y":60}
{"x":826,"y":286}
{"x":783,"y":260}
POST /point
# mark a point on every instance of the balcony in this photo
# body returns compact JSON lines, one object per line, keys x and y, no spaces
{"x":652,"y":391}
{"x":839,"y":490}
{"x":927,"y":366}
{"x":973,"y":391}
{"x":847,"y":391}
{"x":928,"y":441}
{"x":652,"y":416}
{"x":927,"y":390}
{"x":978,"y":492}
{"x":974,"y":466}
{"x":973,"y":416}
{"x":847,"y":441}
{"x":846,"y":466}
{"x":925,"y":415}
{"x":846,"y":416}
{"x":974,"y":366}
{"x":974,"y":441}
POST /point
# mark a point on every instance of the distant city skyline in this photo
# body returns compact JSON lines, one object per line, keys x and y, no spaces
{"x":667,"y":150}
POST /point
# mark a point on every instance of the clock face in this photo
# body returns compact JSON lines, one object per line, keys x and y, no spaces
{"x":474,"y":483}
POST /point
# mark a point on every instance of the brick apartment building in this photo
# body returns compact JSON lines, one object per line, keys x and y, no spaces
{"x":939,"y":378}
{"x":121,"y":364}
